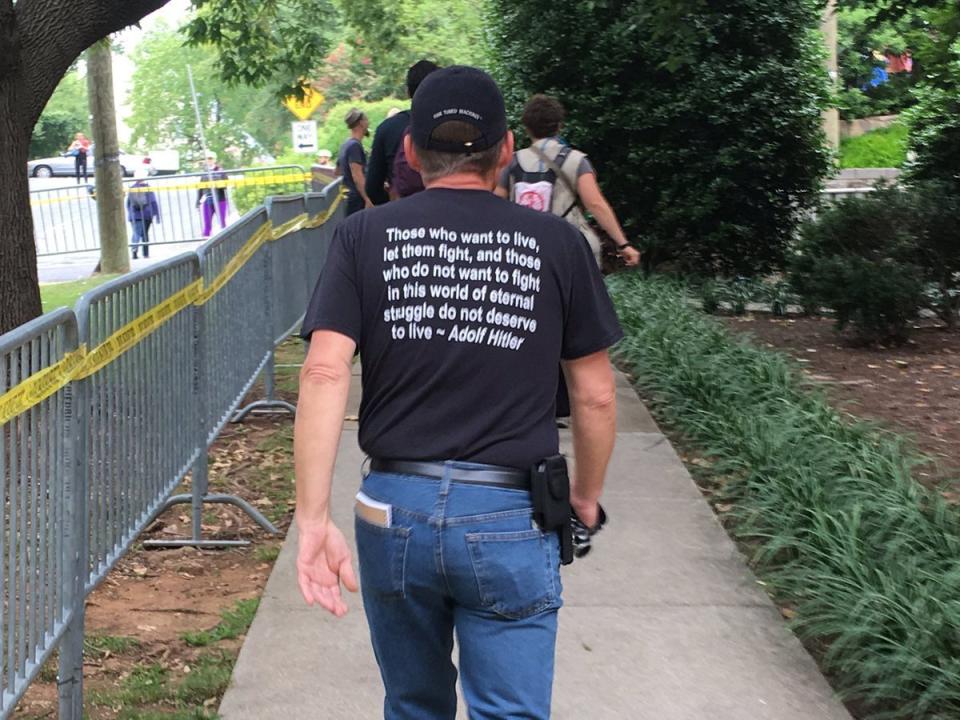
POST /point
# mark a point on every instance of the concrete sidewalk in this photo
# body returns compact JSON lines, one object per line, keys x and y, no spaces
{"x":662,"y":622}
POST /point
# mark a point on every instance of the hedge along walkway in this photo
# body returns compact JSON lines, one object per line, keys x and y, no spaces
{"x":864,"y":556}
{"x":662,"y":622}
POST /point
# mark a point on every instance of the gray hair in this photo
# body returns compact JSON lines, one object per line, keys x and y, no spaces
{"x":435,"y":164}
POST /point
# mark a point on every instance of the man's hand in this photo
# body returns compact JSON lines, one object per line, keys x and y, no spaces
{"x":587,"y":510}
{"x":323,"y":561}
{"x":630,"y":255}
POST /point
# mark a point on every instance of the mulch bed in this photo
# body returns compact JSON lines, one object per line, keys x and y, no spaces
{"x":912,"y":389}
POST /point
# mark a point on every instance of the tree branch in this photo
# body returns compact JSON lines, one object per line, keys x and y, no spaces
{"x":53,"y":33}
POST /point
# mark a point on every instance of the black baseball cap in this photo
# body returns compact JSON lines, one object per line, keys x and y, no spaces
{"x":462,"y":93}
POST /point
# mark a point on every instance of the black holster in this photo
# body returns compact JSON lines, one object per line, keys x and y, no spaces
{"x":550,"y":495}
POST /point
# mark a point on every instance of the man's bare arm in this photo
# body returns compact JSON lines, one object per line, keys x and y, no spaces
{"x":323,"y":559}
{"x":356,"y":170}
{"x":593,"y":404}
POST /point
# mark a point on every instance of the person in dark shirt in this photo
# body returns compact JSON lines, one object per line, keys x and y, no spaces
{"x":352,"y":161}
{"x":386,"y":140}
{"x":462,"y":308}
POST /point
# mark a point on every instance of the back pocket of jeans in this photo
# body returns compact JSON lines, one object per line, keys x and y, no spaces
{"x":383,"y":558}
{"x":516,"y":573}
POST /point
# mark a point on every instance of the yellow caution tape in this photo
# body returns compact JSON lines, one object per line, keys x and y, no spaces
{"x":39,"y":386}
{"x":80,"y":363}
{"x":290,"y":226}
{"x":321,"y":217}
{"x":247,"y":181}
{"x":136,"y":330}
{"x":246,"y":251}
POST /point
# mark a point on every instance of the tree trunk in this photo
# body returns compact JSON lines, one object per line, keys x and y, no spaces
{"x":19,"y":292}
{"x":114,"y":250}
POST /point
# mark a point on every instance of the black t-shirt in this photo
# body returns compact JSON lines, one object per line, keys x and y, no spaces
{"x":351,"y":152}
{"x":462,"y":306}
{"x":386,"y":142}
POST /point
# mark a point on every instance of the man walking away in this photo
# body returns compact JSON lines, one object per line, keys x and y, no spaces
{"x":352,"y":161}
{"x":387,"y":142}
{"x":462,"y":307}
{"x":142,"y":210}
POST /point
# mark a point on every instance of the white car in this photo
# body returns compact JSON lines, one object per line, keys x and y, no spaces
{"x":65,"y":165}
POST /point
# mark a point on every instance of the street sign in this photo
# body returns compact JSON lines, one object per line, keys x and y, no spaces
{"x":304,"y":108}
{"x":305,"y":136}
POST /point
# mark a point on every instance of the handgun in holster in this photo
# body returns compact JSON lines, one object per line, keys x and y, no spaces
{"x":550,"y":496}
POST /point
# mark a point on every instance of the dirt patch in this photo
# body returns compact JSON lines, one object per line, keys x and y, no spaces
{"x":912,"y":389}
{"x":164,"y":628}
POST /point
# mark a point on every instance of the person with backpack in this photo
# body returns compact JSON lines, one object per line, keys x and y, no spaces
{"x":142,"y":210}
{"x":550,"y":176}
{"x":388,"y":163}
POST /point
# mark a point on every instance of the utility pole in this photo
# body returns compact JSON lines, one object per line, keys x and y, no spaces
{"x":114,"y":253}
{"x":831,"y":117}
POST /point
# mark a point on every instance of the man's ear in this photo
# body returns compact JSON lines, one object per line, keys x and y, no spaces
{"x":506,"y":151}
{"x":410,"y":150}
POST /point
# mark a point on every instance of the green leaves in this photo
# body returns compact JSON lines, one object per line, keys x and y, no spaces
{"x":275,"y":42}
{"x":704,"y":123}
{"x":864,"y":556}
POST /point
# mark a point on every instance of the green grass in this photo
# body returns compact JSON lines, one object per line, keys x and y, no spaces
{"x":882,"y":148}
{"x":267,"y":553}
{"x":66,"y":294}
{"x":146,"y":685}
{"x":208,"y":678}
{"x":234,"y":622}
{"x":150,"y":686}
{"x":100,"y":645}
{"x":837,"y":527}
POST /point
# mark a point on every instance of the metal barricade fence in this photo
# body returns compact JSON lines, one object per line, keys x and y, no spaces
{"x":131,"y":411}
{"x":239,"y":344}
{"x":40,"y":579}
{"x":317,"y":235}
{"x":65,"y":218}
{"x":235,"y":343}
{"x":288,"y":257}
{"x":95,"y":418}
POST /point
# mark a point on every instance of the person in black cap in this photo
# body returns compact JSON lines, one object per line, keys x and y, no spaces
{"x":462,"y":307}
{"x":389,"y":135}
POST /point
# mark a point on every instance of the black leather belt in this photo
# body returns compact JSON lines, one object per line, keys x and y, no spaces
{"x":495,"y":475}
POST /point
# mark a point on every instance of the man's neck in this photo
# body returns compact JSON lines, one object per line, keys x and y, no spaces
{"x":357,"y":135}
{"x":463,"y":181}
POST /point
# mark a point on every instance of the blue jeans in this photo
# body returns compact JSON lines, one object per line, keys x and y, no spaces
{"x":467,"y":558}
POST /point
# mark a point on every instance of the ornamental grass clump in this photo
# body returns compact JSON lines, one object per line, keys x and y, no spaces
{"x":868,"y":559}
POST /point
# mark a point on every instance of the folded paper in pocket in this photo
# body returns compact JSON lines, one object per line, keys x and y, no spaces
{"x":373,"y":511}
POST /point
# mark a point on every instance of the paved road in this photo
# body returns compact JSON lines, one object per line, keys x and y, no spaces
{"x":664,"y":621}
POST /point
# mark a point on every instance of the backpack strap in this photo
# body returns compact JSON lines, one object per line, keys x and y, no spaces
{"x":555,"y":166}
{"x":515,"y":174}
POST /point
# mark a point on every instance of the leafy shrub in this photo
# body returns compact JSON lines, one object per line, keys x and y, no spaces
{"x":247,"y":197}
{"x":333,"y":132}
{"x":840,"y":531}
{"x":935,"y":233}
{"x":734,"y":295}
{"x":857,"y":259}
{"x":703,"y":119}
{"x":886,"y":147}
{"x":935,"y":125}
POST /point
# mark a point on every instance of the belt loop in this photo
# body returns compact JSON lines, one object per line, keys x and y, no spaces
{"x":365,"y":468}
{"x":445,"y":480}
